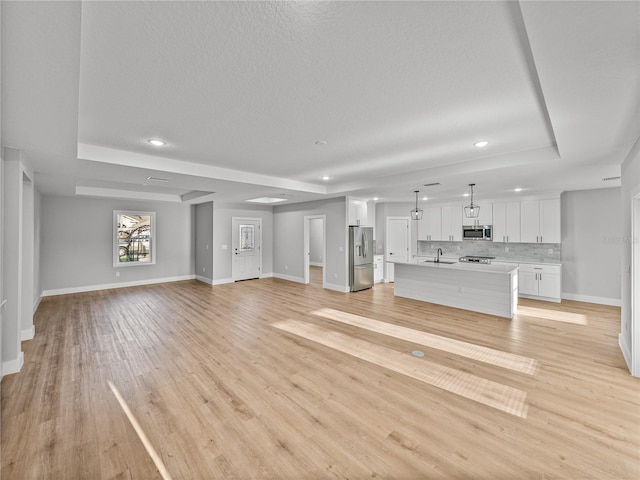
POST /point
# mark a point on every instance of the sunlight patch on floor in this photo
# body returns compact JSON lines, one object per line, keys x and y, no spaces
{"x":555,"y":315}
{"x":492,"y":394}
{"x":464,"y":349}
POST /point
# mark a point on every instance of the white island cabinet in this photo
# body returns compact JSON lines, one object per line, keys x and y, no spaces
{"x":491,"y":289}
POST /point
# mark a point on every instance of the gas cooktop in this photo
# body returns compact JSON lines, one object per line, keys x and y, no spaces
{"x":476,"y":259}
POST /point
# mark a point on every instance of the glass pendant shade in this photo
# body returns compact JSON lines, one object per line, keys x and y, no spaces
{"x":471,"y":210}
{"x":416,"y":213}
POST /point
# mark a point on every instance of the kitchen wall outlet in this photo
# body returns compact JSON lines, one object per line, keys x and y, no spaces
{"x":458,"y":247}
{"x":340,"y":249}
{"x":335,"y":275}
{"x":117,"y":274}
{"x":506,"y":249}
{"x":225,"y":247}
{"x":207,"y":247}
{"x":286,"y":267}
{"x":550,"y":251}
{"x":202,"y":269}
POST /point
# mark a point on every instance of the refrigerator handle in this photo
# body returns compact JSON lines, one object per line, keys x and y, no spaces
{"x":366,"y":244}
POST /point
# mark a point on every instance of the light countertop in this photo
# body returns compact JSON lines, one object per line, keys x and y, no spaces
{"x":496,"y":260}
{"x":475,"y":267}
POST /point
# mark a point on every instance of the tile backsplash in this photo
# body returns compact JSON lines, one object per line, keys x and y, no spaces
{"x":523,"y":252}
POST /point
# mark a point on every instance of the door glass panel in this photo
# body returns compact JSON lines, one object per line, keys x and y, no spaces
{"x":247,"y":238}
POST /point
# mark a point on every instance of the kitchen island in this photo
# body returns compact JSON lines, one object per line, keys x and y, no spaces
{"x":491,"y":289}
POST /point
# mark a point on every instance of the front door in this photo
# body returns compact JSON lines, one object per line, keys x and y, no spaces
{"x":246,"y":238}
{"x":397,"y":243}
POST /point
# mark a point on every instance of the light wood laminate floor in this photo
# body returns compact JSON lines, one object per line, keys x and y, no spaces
{"x":273,"y":379}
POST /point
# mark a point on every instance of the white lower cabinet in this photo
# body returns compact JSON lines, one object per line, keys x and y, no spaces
{"x":540,"y":281}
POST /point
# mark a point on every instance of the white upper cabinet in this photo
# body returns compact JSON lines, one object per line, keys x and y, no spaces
{"x":452,"y":224}
{"x":540,"y":221}
{"x":357,"y":212}
{"x":550,"y":227}
{"x":430,"y":227}
{"x":506,"y":222}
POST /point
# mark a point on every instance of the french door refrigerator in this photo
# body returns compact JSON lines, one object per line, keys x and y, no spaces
{"x":360,"y":258}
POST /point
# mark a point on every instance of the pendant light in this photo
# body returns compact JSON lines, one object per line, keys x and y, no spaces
{"x":471,"y":210}
{"x":416,"y":213}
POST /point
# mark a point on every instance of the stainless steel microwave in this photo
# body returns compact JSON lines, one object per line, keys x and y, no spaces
{"x":477,"y":232}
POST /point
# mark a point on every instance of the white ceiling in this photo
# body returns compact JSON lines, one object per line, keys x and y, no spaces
{"x":242,"y":91}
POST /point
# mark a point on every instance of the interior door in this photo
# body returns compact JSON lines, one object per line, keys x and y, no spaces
{"x":397,"y":243}
{"x":246,"y":248}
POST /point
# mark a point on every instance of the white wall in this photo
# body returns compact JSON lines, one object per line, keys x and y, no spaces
{"x":12,"y":264}
{"x":591,"y":245}
{"x":37,"y":215}
{"x":222,"y":235}
{"x":204,"y":242}
{"x":288,"y":241}
{"x":630,"y":173}
{"x":77,"y":246}
{"x":316,"y":242}
{"x":28,"y":251}
{"x":1,"y":208}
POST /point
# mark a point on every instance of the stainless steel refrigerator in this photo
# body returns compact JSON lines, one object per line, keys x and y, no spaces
{"x":360,"y":258}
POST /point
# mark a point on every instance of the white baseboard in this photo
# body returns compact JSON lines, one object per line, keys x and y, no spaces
{"x":222,"y":281}
{"x":206,"y":280}
{"x":316,"y":264}
{"x":37,"y":303}
{"x":337,"y":288}
{"x":288,"y":277}
{"x":28,"y":334}
{"x":614,"y":302}
{"x":266,"y":275}
{"x":13,"y":366}
{"x":107,"y":286}
{"x":626,"y":351}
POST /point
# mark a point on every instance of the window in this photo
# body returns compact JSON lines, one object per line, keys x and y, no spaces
{"x":134,"y":238}
{"x":247,"y":238}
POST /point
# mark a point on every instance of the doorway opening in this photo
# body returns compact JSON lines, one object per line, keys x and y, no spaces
{"x":246,"y":239}
{"x":315,"y":251}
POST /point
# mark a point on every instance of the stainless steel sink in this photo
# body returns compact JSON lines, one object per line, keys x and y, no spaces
{"x":441,"y":261}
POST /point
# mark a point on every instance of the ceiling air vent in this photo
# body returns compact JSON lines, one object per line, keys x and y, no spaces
{"x":431,"y":184}
{"x":608,"y":179}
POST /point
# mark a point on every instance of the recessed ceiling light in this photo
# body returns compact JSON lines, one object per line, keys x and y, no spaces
{"x":156,"y":142}
{"x":482,"y":143}
{"x":517,"y":189}
{"x":267,"y":200}
{"x":321,"y":142}
{"x":158,"y":179}
{"x":375,"y":199}
{"x":425,"y":198}
{"x":326,"y":177}
{"x":465,"y":194}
